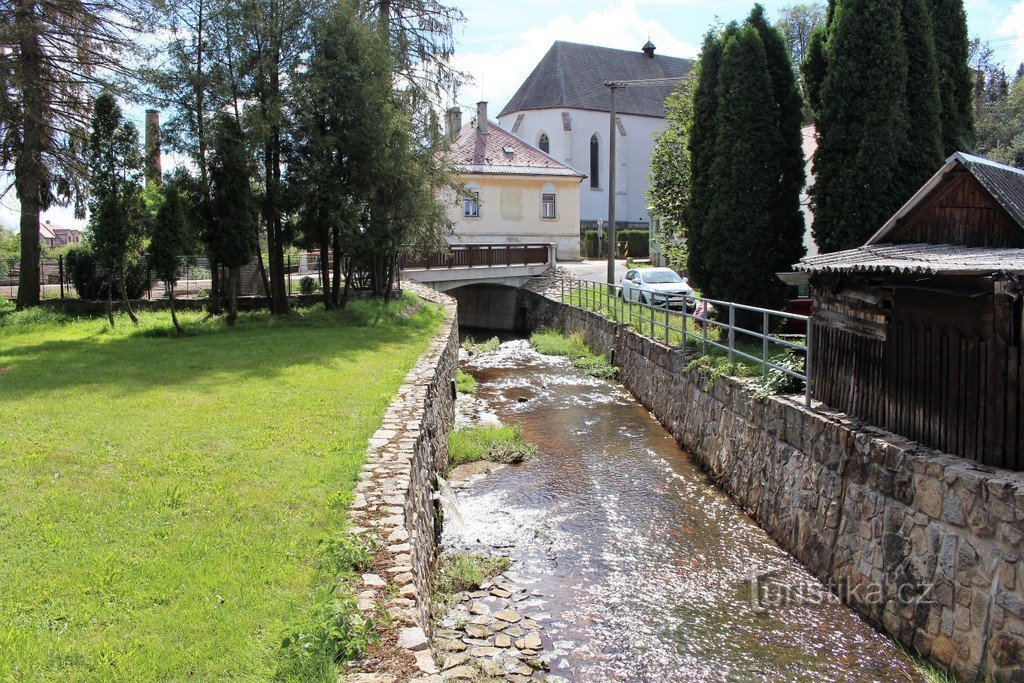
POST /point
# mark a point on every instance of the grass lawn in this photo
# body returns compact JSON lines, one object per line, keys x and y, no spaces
{"x":163,"y":500}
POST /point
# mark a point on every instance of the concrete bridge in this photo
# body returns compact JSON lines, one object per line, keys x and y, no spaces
{"x":483,"y":278}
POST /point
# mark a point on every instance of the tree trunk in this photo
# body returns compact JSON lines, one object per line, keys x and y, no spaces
{"x":348,"y":285}
{"x":29,"y":174}
{"x":263,"y":269}
{"x":325,"y":265}
{"x":390,"y":279}
{"x":110,"y":302}
{"x":125,"y":301}
{"x":214,"y":306}
{"x":174,"y":314}
{"x":336,"y":268}
{"x":233,"y":274}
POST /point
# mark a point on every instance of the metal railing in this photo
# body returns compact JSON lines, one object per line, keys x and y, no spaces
{"x":679,"y":320}
{"x":482,"y":255}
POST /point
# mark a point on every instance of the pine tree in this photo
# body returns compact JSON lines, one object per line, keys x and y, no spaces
{"x":747,"y":249}
{"x":115,"y":195}
{"x":703,"y":135}
{"x":169,"y":242}
{"x":955,"y":85}
{"x":922,"y":153}
{"x":862,"y":123}
{"x":233,"y":221}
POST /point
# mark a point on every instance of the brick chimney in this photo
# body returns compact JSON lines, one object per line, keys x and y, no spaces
{"x":481,"y":116}
{"x":454,"y":122}
{"x":153,"y":170}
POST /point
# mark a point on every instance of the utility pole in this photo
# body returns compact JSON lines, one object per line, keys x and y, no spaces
{"x":613,"y":86}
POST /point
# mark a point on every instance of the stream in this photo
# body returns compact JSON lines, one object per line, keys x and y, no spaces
{"x":637,"y":566}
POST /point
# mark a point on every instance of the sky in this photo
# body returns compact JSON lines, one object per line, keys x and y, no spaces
{"x":502,"y":41}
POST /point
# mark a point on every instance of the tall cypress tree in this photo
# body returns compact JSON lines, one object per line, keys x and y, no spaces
{"x":787,"y":218}
{"x":747,"y":249}
{"x":862,"y":123}
{"x":955,"y":85}
{"x":702,"y":153}
{"x":922,"y":153}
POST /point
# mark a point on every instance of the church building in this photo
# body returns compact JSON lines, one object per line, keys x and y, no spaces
{"x":563,"y":107}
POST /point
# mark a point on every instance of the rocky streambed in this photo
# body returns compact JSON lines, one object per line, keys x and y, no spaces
{"x":626,"y":563}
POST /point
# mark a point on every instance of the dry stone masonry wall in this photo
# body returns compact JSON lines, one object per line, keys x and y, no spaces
{"x":927,"y":546}
{"x":394,"y":504}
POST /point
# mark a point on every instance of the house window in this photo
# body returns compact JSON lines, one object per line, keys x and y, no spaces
{"x":544,"y":143}
{"x":595,"y":162}
{"x":547,"y":205}
{"x":471,"y":203}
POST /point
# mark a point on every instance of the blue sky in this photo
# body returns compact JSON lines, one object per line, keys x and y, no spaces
{"x":501,"y":42}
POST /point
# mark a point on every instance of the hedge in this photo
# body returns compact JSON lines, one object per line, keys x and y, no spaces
{"x":637,"y":242}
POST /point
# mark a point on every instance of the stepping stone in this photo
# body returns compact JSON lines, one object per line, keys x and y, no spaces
{"x":451,"y":645}
{"x":530,"y":642}
{"x":509,"y":615}
{"x":413,"y":639}
{"x":482,"y":620}
{"x":453,"y":660}
{"x":485,"y":651}
{"x":425,"y":662}
{"x":502,"y":641}
{"x":459,"y":673}
{"x":500,"y":593}
{"x":374,"y":580}
{"x":477,"y":631}
{"x":479,"y":608}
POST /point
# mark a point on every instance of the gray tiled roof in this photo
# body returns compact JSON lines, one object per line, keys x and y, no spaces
{"x":912,"y":259}
{"x":498,"y":151}
{"x":1005,"y":183}
{"x":572,"y":76}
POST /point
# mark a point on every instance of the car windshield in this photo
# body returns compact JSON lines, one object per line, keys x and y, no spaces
{"x":660,"y":277}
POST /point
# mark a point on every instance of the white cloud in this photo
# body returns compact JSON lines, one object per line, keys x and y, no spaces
{"x":498,"y":70}
{"x":1011,"y":28}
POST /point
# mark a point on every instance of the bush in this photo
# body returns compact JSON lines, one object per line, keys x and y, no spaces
{"x":637,"y":243}
{"x":90,"y":284}
{"x":465,"y":383}
{"x":488,"y":442}
{"x":308,"y":285}
{"x":460,"y":572}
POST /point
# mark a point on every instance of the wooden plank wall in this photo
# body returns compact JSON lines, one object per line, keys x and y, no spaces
{"x":941,"y":375}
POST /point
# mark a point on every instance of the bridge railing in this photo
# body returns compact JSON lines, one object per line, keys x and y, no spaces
{"x":482,"y":256}
{"x":713,"y":326}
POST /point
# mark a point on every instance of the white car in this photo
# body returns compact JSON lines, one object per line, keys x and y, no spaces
{"x":657,"y":287}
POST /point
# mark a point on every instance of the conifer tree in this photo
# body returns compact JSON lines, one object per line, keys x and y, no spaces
{"x":115,"y":195}
{"x":922,"y":153}
{"x":233,"y":220}
{"x":862,"y":122}
{"x":671,"y":182}
{"x":169,"y":242}
{"x":747,"y":249}
{"x":955,"y":83}
{"x":703,"y":135}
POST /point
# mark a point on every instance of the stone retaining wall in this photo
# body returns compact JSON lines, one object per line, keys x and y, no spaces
{"x":394,"y":503}
{"x":925,"y":545}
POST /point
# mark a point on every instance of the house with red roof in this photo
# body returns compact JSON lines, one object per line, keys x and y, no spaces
{"x":513,"y":192}
{"x":56,"y":236}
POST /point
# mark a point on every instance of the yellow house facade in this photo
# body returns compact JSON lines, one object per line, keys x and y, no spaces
{"x":513,"y":192}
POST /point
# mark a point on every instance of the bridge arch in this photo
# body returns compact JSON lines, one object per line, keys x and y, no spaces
{"x":489,"y":306}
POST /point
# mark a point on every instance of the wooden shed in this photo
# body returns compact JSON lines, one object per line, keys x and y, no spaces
{"x":919,"y":331}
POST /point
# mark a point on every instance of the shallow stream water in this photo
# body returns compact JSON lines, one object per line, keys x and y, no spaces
{"x":645,"y":569}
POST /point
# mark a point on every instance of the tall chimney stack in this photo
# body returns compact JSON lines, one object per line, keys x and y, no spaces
{"x":153,"y":170}
{"x":481,"y":116}
{"x":454,"y":122}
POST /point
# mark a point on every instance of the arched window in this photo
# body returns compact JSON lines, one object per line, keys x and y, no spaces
{"x":548,"y":197}
{"x":544,"y":144}
{"x":595,"y":161}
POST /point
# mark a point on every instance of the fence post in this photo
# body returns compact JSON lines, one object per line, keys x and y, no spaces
{"x":807,"y":362}
{"x":667,"y":341}
{"x":704,"y":331}
{"x":60,"y":273}
{"x":732,"y":330}
{"x":764,"y":346}
{"x":149,"y":281}
{"x":653,"y":335}
{"x":289,"y":273}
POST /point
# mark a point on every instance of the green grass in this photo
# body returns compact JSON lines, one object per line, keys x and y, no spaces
{"x":488,"y":442}
{"x":474,"y":347}
{"x":172,"y":508}
{"x":575,"y":349}
{"x":460,"y":572}
{"x":465,"y":383}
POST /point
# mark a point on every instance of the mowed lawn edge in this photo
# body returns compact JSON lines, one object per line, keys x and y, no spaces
{"x":163,"y":499}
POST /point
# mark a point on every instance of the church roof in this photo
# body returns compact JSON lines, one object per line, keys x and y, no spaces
{"x":498,"y":151}
{"x":572,"y":76}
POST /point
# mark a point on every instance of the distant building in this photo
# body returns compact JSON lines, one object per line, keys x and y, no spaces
{"x":514,"y":192}
{"x":563,"y":109}
{"x":57,"y":236}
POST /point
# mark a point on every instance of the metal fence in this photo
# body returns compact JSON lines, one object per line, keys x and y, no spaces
{"x":709,"y":325}
{"x":475,"y":255}
{"x":194,"y":279}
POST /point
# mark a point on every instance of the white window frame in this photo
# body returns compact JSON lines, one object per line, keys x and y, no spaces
{"x":545,"y":203}
{"x":471,"y":202}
